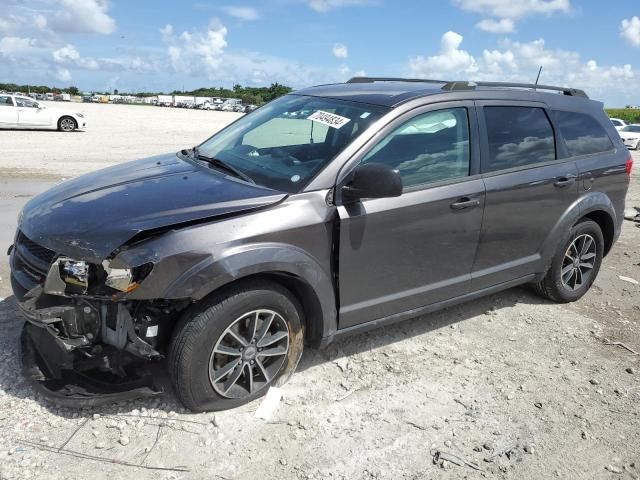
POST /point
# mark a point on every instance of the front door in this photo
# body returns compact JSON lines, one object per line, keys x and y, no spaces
{"x":400,"y":254}
{"x":529,"y":188}
{"x":8,"y":112}
{"x":30,"y":115}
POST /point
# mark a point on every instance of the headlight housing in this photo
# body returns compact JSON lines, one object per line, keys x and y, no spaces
{"x":77,"y":277}
{"x":125,"y":279}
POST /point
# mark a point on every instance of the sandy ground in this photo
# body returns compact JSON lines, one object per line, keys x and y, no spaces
{"x":114,"y":133}
{"x":509,"y":386}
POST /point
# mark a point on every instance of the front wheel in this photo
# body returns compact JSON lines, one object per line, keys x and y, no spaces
{"x":231,"y":349}
{"x":575,"y":265}
{"x":67,"y":124}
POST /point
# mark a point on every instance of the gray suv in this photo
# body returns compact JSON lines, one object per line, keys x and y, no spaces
{"x":326,"y":212}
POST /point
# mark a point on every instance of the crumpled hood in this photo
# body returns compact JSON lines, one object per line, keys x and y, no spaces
{"x":88,"y":217}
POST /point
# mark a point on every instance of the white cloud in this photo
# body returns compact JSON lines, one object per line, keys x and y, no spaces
{"x":506,"y":12}
{"x":69,"y":55}
{"x":326,"y":5}
{"x":514,"y":9}
{"x":519,"y":62}
{"x":86,"y":16}
{"x":451,"y":59}
{"x":340,"y":50}
{"x":241,"y":12}
{"x":197,"y":52}
{"x":504,"y":25}
{"x":12,"y":47}
{"x":630,"y":31}
{"x":63,"y":75}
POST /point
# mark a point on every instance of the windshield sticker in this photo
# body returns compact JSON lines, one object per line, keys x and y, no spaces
{"x":295,"y":178}
{"x":365,"y":114}
{"x":330,"y":119}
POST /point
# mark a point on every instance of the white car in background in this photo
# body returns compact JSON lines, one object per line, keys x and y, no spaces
{"x":631,"y":136}
{"x":618,"y":123}
{"x":17,"y":111}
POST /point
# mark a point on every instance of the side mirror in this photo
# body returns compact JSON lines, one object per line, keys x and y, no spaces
{"x":373,"y":180}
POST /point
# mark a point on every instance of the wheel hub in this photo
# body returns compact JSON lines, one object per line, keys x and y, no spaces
{"x":249,"y":354}
{"x":579,"y":261}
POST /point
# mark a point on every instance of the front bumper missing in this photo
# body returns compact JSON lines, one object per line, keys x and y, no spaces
{"x":51,"y":369}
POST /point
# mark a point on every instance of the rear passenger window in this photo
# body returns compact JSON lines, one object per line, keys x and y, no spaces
{"x":432,"y":147}
{"x":582,"y":133}
{"x":518,"y":136}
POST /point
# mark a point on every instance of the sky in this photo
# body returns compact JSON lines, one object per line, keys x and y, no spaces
{"x":164,"y":45}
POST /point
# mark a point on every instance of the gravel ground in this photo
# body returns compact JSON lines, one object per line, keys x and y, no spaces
{"x":509,"y":386}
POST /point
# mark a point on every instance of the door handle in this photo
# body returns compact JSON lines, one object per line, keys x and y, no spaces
{"x":465,"y":202}
{"x":565,"y":181}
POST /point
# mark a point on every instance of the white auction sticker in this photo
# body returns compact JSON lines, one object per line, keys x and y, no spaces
{"x":331,"y":119}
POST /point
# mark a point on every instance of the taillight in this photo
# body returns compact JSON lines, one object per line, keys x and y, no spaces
{"x":629,"y":166}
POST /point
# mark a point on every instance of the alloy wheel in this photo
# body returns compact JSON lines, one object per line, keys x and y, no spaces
{"x":67,"y":124}
{"x":579,"y":261}
{"x":249,"y":354}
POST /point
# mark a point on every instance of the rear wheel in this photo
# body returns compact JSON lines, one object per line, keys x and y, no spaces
{"x":575,"y":265}
{"x":233,"y":348}
{"x":67,"y":124}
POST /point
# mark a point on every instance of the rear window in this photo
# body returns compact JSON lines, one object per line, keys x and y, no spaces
{"x":518,"y":136}
{"x":582,"y":133}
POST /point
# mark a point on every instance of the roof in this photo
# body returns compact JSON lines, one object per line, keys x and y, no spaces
{"x":390,"y":92}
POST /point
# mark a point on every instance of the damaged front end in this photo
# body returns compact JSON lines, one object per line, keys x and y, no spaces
{"x":85,"y":343}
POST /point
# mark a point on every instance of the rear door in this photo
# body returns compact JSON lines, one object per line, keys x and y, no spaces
{"x":8,"y":112}
{"x":529,"y":186}
{"x":403,"y":253}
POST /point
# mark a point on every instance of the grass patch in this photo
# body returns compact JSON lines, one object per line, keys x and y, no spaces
{"x":629,"y":115}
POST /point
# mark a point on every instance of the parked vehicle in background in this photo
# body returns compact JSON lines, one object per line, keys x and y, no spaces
{"x":18,"y":111}
{"x":618,"y":123}
{"x":165,"y":100}
{"x":370,"y":202}
{"x":630,"y":135}
{"x":250,"y":108}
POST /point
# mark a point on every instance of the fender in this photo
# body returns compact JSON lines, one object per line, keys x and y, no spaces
{"x":213,"y":272}
{"x":587,"y":203}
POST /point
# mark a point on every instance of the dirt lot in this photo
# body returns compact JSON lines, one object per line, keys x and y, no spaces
{"x":509,"y":386}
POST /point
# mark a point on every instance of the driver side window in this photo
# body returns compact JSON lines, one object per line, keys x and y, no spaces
{"x":429,"y":148}
{"x":26,"y":102}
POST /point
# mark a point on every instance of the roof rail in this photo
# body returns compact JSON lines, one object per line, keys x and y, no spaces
{"x":393,"y":79}
{"x":458,"y":86}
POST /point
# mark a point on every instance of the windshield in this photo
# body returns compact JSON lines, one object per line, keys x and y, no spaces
{"x":284,"y":144}
{"x":632,"y":128}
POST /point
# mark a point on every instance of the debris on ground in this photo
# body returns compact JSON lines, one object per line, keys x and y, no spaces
{"x":629,"y":279}
{"x":269,"y":404}
{"x":439,"y":457}
{"x":632,"y":214}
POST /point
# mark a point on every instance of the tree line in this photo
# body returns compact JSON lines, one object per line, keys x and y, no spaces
{"x":249,"y":95}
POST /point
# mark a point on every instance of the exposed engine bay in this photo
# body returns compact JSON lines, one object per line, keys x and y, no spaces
{"x":84,"y":342}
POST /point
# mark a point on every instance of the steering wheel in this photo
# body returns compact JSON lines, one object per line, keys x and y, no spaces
{"x":281,"y":153}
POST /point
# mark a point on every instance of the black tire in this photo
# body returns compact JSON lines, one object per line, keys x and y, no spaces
{"x":202,"y":328}
{"x":67,"y":124}
{"x":552,"y":285}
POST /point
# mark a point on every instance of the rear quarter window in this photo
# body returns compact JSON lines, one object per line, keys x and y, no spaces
{"x":582,"y":133}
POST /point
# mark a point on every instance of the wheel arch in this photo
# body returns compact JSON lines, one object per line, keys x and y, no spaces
{"x":307,"y":297}
{"x":595,"y":206}
{"x":286,"y":266}
{"x":606,"y":224}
